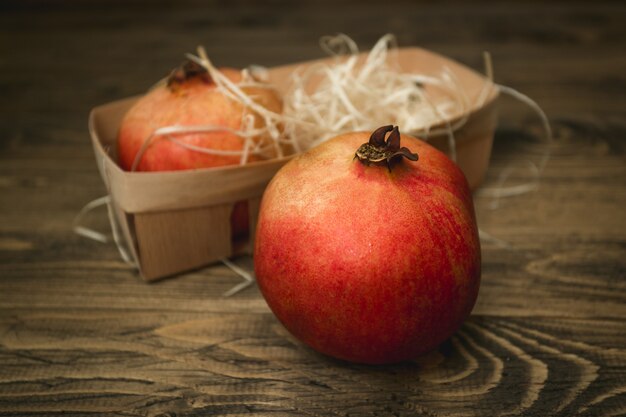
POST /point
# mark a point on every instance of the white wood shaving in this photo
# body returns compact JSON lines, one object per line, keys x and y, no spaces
{"x":348,"y":97}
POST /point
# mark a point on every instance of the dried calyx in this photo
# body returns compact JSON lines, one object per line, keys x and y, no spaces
{"x":379,"y":151}
{"x":188,"y":69}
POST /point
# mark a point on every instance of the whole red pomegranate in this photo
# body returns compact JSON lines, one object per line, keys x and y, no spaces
{"x":190,"y":98}
{"x":370,"y":257}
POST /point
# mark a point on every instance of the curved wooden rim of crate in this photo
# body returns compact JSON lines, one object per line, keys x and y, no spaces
{"x":140,"y":192}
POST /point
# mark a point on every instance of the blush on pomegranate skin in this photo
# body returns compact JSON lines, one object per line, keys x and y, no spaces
{"x":369,"y":258}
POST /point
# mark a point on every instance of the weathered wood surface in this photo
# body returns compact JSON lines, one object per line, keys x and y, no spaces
{"x":81,"y":334}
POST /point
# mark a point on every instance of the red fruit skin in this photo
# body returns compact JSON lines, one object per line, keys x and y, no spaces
{"x":364,"y":264}
{"x":239,"y":221}
{"x":193,"y":102}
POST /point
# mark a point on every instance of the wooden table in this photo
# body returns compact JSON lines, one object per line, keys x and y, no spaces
{"x":81,"y":334}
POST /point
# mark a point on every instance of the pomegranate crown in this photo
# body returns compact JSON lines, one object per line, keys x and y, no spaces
{"x":379,"y":151}
{"x":188,"y":69}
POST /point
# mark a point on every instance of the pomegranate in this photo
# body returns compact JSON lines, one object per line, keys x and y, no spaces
{"x":372,"y":256}
{"x":190,"y":98}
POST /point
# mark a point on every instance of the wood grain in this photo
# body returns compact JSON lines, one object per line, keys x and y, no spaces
{"x":82,"y":334}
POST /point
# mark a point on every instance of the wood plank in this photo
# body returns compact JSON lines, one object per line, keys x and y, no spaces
{"x":214,"y":362}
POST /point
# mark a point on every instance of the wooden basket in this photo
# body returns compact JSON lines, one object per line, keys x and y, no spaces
{"x":180,"y":220}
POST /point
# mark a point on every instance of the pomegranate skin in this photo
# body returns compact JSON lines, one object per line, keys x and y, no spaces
{"x":192,"y":102}
{"x":366,"y":264}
